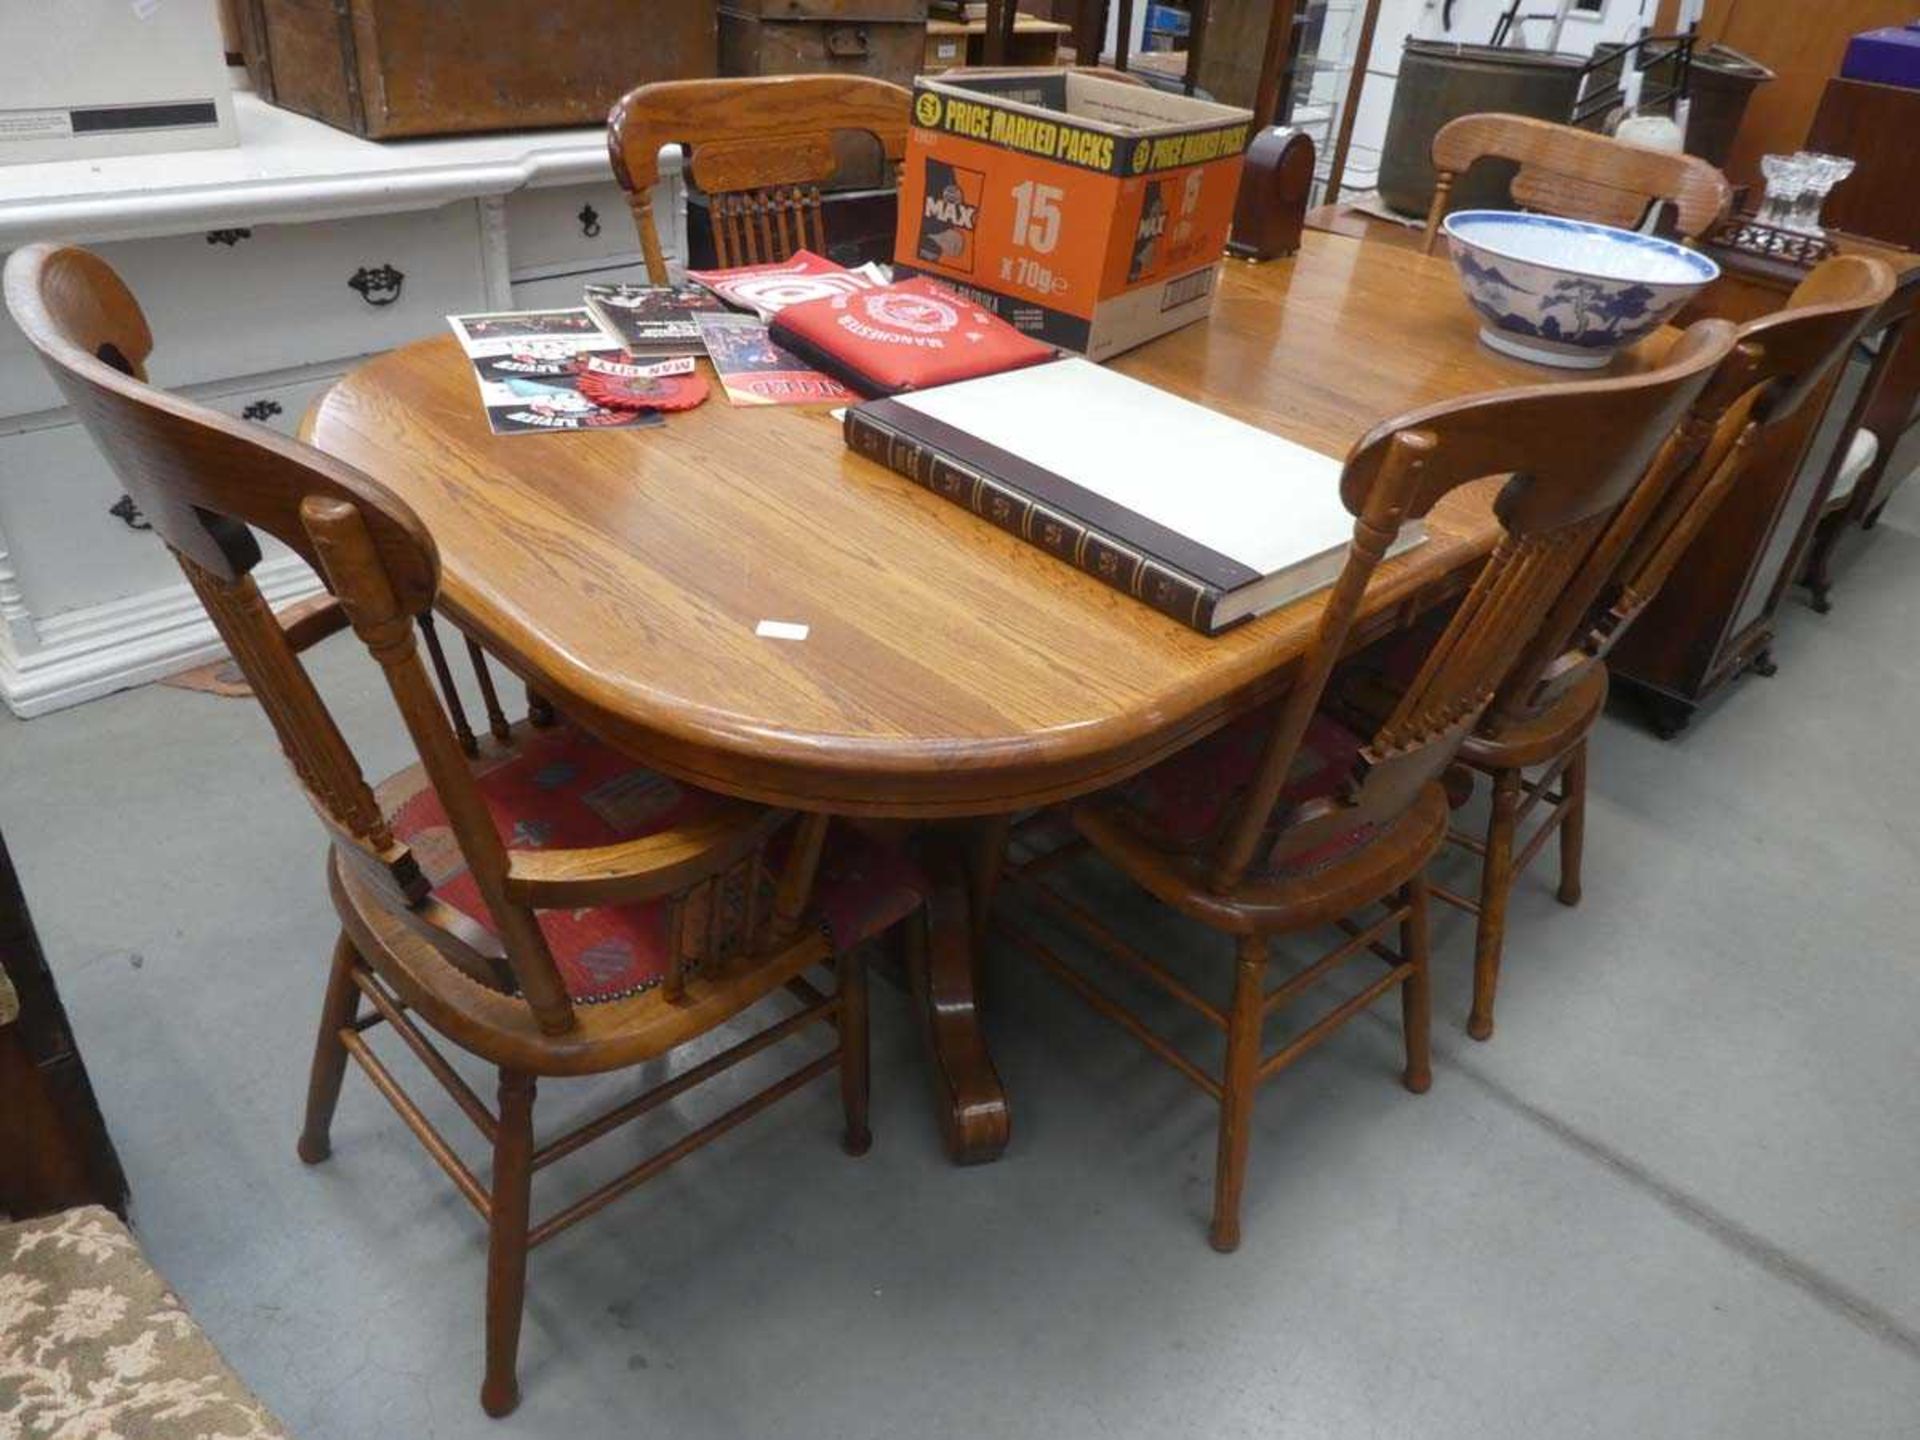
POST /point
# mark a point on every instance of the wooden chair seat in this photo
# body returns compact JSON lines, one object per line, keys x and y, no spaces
{"x":1369,"y":685}
{"x":498,"y":1027}
{"x":1297,"y":819}
{"x":561,"y":787}
{"x":565,"y":911}
{"x":1188,"y":797}
{"x":1182,"y":803}
{"x":1352,"y":872}
{"x":1551,"y":699}
{"x":1536,"y":739}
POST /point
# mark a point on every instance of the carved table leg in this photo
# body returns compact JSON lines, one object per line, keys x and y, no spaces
{"x":943,"y":965}
{"x":986,"y":857}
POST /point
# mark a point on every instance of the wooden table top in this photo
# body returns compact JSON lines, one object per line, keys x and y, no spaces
{"x":1343,"y":219}
{"x":949,"y":668}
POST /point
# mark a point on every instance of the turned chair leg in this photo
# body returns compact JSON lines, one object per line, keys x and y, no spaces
{"x":1496,"y":879}
{"x":1236,"y":1096}
{"x":1416,"y":992}
{"x":1816,"y":574}
{"x":507,"y":1243}
{"x":540,"y":711}
{"x":1573,"y":824}
{"x":337,"y":1012}
{"x":851,"y":967}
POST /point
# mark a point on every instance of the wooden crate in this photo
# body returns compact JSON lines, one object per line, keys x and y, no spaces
{"x":953,"y":42}
{"x":882,"y":38}
{"x":387,"y":68}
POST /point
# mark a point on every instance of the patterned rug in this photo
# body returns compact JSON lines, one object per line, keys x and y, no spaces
{"x":222,"y":677}
{"x":94,"y":1346}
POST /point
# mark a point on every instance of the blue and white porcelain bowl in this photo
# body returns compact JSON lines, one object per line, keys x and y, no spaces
{"x":1568,"y":292}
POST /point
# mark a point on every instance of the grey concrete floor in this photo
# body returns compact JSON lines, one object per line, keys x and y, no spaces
{"x":1677,"y":1195}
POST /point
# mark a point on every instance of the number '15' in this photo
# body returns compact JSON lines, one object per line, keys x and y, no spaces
{"x":1036,"y":216}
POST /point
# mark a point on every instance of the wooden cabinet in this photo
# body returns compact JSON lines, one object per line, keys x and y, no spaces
{"x":1713,"y":620}
{"x":1802,"y":44}
{"x":1875,"y":125}
{"x":54,"y":1148}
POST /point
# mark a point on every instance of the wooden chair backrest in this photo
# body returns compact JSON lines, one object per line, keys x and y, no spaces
{"x":1778,"y":361}
{"x":760,"y":148}
{"x":1577,"y":174}
{"x":1572,"y":453}
{"x":206,"y":482}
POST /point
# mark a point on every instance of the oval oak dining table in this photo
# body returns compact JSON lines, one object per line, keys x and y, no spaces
{"x":948,"y":670}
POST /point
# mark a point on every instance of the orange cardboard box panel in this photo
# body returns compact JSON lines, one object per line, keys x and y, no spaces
{"x":1085,"y":211}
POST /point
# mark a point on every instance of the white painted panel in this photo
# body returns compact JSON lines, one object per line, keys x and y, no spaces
{"x":556,"y":292}
{"x":56,"y":493}
{"x":278,"y":298}
{"x":545,"y":226}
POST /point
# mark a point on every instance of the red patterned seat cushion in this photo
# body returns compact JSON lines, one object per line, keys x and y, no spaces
{"x":561,"y":788}
{"x":1189,"y":796}
{"x":1371,"y":682}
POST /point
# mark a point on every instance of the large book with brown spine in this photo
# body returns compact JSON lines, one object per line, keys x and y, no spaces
{"x":1206,"y":519}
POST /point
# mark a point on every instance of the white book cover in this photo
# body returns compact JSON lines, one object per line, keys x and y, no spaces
{"x":1258,"y":499}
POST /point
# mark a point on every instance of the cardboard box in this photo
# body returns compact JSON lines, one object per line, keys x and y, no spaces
{"x":1086,"y":211}
{"x":86,"y":79}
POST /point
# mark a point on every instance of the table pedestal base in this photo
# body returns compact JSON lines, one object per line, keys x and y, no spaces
{"x":943,"y":969}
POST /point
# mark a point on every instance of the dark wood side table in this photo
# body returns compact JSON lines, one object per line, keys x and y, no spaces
{"x":1875,"y":125}
{"x":54,"y":1148}
{"x":1713,"y":621}
{"x":1886,"y":403}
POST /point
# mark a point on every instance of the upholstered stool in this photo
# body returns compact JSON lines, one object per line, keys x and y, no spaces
{"x":93,"y":1343}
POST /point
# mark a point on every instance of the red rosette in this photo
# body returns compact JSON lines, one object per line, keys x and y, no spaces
{"x":625,"y":384}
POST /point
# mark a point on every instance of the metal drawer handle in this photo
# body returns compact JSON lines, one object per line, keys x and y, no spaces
{"x":127,"y":512}
{"x":261,"y":410}
{"x":847,"y":43}
{"x":377,"y":286}
{"x":228,"y":238}
{"x":589,"y":221}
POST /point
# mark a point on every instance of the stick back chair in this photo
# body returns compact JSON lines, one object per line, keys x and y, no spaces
{"x":549,"y":907}
{"x":760,"y":148}
{"x":1547,"y":706}
{"x":1577,"y":174}
{"x":1288,"y":821}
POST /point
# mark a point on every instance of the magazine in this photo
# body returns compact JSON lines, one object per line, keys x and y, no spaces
{"x":768,"y":289}
{"x":755,"y":371}
{"x":527,"y":362}
{"x":653,"y":322}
